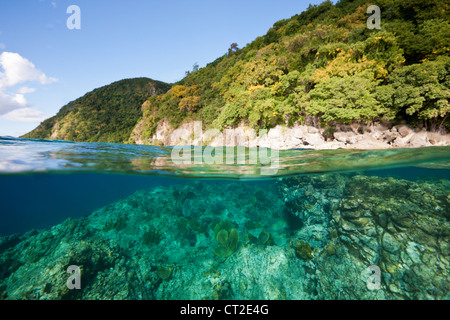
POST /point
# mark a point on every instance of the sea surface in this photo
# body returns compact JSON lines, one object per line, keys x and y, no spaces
{"x":145,"y":222}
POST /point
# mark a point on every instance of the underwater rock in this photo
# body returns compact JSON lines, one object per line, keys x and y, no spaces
{"x":266,"y":272}
{"x":121,"y":248}
{"x":394,"y":224}
{"x":147,"y":247}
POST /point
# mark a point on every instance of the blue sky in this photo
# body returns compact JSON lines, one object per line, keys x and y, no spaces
{"x":44,"y":65}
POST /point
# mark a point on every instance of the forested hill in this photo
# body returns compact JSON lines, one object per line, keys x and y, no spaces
{"x":322,"y":67}
{"x":106,"y":114}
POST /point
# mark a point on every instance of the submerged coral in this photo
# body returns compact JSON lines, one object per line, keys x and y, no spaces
{"x":117,"y":224}
{"x":147,"y":247}
{"x":303,"y":250}
{"x":164,"y":272}
{"x":264,"y":238}
{"x":228,"y":242}
{"x":151,"y":236}
{"x":361,"y":222}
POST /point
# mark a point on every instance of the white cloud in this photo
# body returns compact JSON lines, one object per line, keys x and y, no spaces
{"x":53,"y":4}
{"x":9,"y":102}
{"x":17,"y":70}
{"x":25,"y":115}
{"x":24,"y":90}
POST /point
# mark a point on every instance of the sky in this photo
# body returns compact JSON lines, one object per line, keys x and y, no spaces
{"x":45,"y":62}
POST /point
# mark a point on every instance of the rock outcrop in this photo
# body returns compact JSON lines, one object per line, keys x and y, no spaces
{"x":358,"y":222}
{"x":282,"y":138}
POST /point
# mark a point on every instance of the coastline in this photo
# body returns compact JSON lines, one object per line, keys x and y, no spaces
{"x":354,"y":136}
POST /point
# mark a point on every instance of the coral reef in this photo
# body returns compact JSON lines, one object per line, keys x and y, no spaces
{"x":399,"y":226}
{"x":164,"y":272}
{"x":184,"y":242}
{"x":117,"y":224}
{"x":264,"y":238}
{"x":303,"y":250}
{"x":151,"y":236}
{"x":228,"y":239}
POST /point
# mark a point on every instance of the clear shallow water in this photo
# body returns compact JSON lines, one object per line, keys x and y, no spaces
{"x":43,"y":156}
{"x":159,"y":225}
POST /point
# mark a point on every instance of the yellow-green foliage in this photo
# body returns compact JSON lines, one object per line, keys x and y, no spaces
{"x":264,"y":238}
{"x":222,"y":236}
{"x":185,"y":97}
{"x":326,"y":64}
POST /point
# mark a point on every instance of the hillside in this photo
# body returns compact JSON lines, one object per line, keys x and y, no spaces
{"x":323,"y":67}
{"x":106,"y":114}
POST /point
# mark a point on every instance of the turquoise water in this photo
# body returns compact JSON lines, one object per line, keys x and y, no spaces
{"x":143,"y":222}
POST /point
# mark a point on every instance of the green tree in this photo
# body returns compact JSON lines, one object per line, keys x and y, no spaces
{"x":344,"y":99}
{"x":233,"y":48}
{"x":422,"y":90}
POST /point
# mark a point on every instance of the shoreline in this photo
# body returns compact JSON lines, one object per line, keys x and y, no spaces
{"x":300,"y":136}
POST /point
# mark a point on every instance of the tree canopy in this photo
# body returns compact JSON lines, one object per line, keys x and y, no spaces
{"x":325,"y":64}
{"x":107,"y":114}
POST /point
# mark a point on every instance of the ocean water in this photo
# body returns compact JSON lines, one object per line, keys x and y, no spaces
{"x":112,"y":221}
